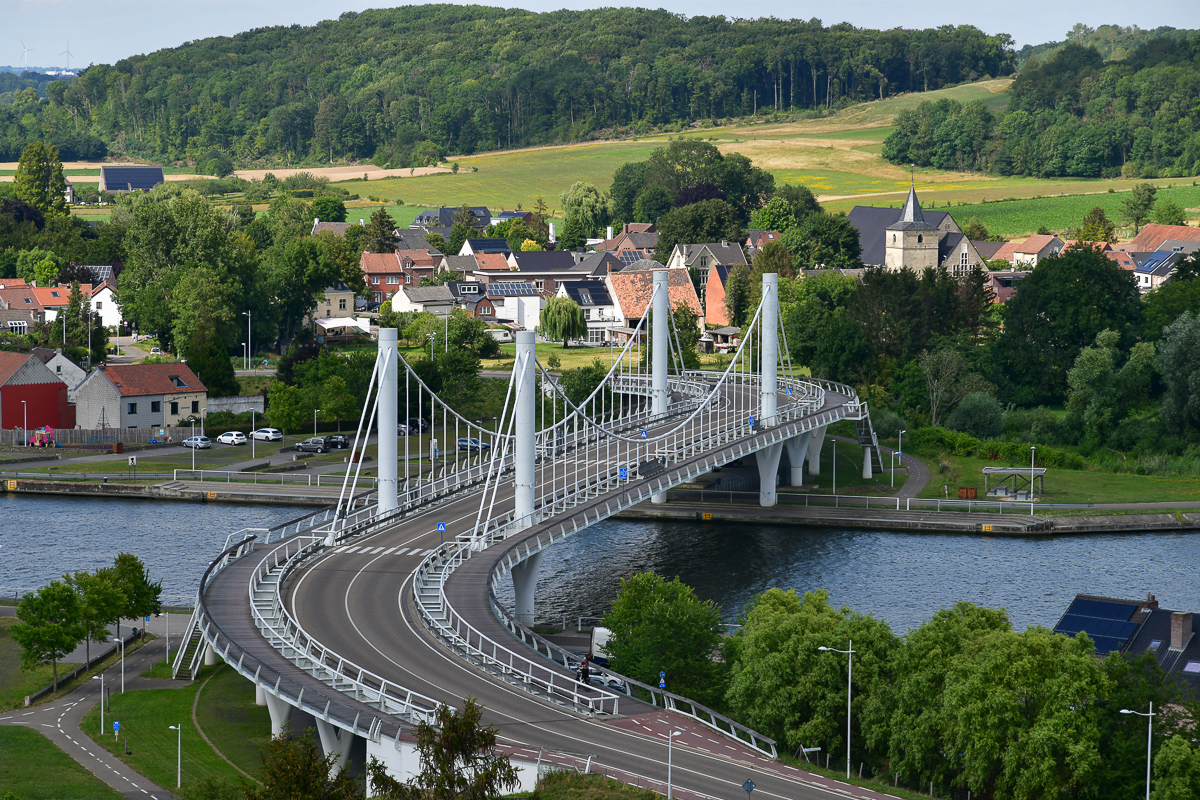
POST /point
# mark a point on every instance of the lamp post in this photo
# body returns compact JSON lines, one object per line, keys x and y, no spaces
{"x":245,"y":357}
{"x":315,"y":412}
{"x":431,"y":337}
{"x":100,"y":678}
{"x":249,"y":339}
{"x":25,"y":424}
{"x":253,"y":438}
{"x":1032,"y":461}
{"x":178,"y":753}
{"x":899,"y":456}
{"x":834,"y":470}
{"x":1149,"y":733}
{"x":193,"y":445}
{"x":123,"y":662}
{"x":670,"y":741}
{"x":849,"y":676}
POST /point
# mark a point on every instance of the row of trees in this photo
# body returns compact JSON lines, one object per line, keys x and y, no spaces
{"x":54,"y":620}
{"x":405,"y":86}
{"x":1071,"y":114}
{"x":962,"y":702}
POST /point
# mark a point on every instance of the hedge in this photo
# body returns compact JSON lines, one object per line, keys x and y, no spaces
{"x":935,"y":441}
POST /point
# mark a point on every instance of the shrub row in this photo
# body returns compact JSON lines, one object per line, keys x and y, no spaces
{"x":933,"y":441}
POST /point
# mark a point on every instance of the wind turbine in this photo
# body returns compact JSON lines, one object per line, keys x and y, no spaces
{"x":25,"y":55}
{"x":68,"y":54}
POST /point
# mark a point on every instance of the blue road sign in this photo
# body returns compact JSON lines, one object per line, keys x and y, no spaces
{"x":645,"y":434}
{"x":441,"y":527}
{"x":662,"y":684}
{"x":789,"y":392}
{"x":662,"y":674}
{"x":751,"y":419}
{"x":748,"y":785}
{"x":116,"y":726}
{"x":624,"y":473}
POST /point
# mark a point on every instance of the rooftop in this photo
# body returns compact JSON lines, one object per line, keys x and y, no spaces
{"x":131,"y":380}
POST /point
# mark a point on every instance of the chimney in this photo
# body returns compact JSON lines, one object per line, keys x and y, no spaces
{"x":553,"y":238}
{"x":361,"y":222}
{"x":316,"y":221}
{"x":1151,"y":602}
{"x":1181,"y":629}
{"x":608,"y":232}
{"x":724,"y":244}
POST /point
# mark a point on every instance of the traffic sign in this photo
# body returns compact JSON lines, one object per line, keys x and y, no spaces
{"x":624,"y":473}
{"x":662,"y":674}
{"x":748,"y":785}
{"x":116,"y":727}
{"x":133,"y":461}
{"x":789,"y":392}
{"x":645,"y":434}
{"x":441,"y":527}
{"x":662,"y":684}
{"x":751,"y":419}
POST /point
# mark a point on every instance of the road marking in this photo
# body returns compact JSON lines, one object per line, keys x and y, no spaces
{"x":351,"y":549}
{"x":402,"y":551}
{"x":388,"y":551}
{"x":341,"y":549}
{"x":430,"y":550}
{"x":376,"y":550}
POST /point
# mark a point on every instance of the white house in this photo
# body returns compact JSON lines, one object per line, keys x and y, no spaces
{"x":516,"y":301}
{"x":598,"y":307}
{"x":104,"y":303}
{"x":63,"y":368}
{"x":437,"y":299}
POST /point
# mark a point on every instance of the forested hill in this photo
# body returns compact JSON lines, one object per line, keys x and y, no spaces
{"x":1112,"y":42}
{"x":401,"y":85}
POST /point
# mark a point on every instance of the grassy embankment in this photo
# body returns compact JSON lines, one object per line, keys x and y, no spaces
{"x":34,"y":768}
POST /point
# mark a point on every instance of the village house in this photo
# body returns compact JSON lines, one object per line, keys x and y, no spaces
{"x":1030,"y":251}
{"x":517,"y":302}
{"x":31,"y":395}
{"x":129,"y":179}
{"x":140,"y":396}
{"x":598,"y":308}
{"x":912,"y":238}
{"x":704,"y":257}
{"x":474,"y":247}
{"x":444,"y":217}
{"x":471,"y":296}
{"x":715,"y":313}
{"x":385,"y":273}
{"x":434,"y":299}
{"x":632,"y":288}
{"x":19,"y":306}
{"x":63,"y":368}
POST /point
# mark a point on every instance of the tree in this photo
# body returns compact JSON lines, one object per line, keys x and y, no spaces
{"x":1179,"y":364}
{"x":294,"y":277}
{"x":661,"y":626}
{"x":651,"y":204}
{"x":1099,"y":394}
{"x":777,"y":215}
{"x":800,"y":198}
{"x":1060,"y":308}
{"x":39,"y":179}
{"x":380,"y":232}
{"x":294,"y":769}
{"x":947,"y":380}
{"x":39,"y":267}
{"x":458,"y":234}
{"x":1136,"y":208}
{"x":975,"y":230}
{"x":1176,"y":770}
{"x":530,"y":246}
{"x":574,"y":234}
{"x":142,"y":596}
{"x":562,"y":318}
{"x":706,"y":221}
{"x":591,"y":207}
{"x":977,"y":414}
{"x":289,"y":408}
{"x":207,"y":357}
{"x":329,"y":209}
{"x":1022,"y":715}
{"x":458,"y":760}
{"x":824,"y":241}
{"x":50,"y":626}
{"x":101,"y":602}
{"x":781,"y":684}
{"x":1168,"y":212}
{"x":739,"y":294}
{"x":1096,"y":227}
{"x":773,"y":257}
{"x":1163,"y":306}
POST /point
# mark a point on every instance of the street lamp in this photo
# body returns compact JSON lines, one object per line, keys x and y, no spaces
{"x":178,"y":753}
{"x":249,"y":339}
{"x":100,"y":678}
{"x":25,"y":424}
{"x":1149,"y":733}
{"x":315,"y":412}
{"x":193,"y":445}
{"x":122,"y":639}
{"x":899,"y":455}
{"x":245,"y":357}
{"x":431,"y":337}
{"x":670,"y":740}
{"x":1032,"y":461}
{"x":849,"y":676}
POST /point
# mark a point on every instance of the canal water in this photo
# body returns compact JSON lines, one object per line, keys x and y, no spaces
{"x":901,"y":577}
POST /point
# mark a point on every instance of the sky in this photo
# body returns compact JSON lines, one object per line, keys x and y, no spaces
{"x":104,"y":31}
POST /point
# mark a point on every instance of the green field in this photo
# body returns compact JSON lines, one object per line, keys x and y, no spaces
{"x":15,"y":683}
{"x":1013,"y":218}
{"x":34,"y":768}
{"x":226,"y":713}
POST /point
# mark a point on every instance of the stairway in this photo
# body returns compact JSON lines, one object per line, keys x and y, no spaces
{"x":866,"y":438}
{"x":191,"y":653}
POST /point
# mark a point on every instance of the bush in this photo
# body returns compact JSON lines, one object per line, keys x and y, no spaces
{"x":979,"y":415}
{"x":932,"y":441}
{"x":887,"y":423}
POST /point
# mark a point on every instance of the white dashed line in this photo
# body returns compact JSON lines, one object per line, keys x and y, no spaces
{"x":402,"y":551}
{"x":388,"y":552}
{"x":376,"y":550}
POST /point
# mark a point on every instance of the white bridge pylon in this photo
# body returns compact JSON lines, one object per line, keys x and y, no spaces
{"x":550,"y":449}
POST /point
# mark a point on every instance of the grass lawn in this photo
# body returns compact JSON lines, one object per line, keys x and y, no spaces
{"x":34,"y":768}
{"x":849,"y":470}
{"x":228,"y":717}
{"x":1065,"y":485}
{"x":15,"y":683}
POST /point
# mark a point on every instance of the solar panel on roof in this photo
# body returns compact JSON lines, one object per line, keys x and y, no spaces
{"x":1106,"y":623}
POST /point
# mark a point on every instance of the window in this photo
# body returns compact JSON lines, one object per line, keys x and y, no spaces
{"x":99,"y":306}
{"x":587,"y":313}
{"x":962,"y":259}
{"x":1154,"y":645}
{"x":920,"y":238}
{"x":341,"y":304}
{"x":155,"y":406}
{"x":538,"y":284}
{"x":54,"y":294}
{"x":469,"y":289}
{"x":393,"y":279}
{"x":893,"y":238}
{"x":133,"y":408}
{"x":1192,"y":667}
{"x":375,"y":279}
{"x":703,"y":262}
{"x":58,"y":368}
{"x":195,"y":406}
{"x":585,"y":297}
{"x":174,"y":408}
{"x":18,"y":326}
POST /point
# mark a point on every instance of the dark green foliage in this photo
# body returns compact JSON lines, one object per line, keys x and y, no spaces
{"x":706,"y":221}
{"x":1060,"y":308}
{"x":294,"y":769}
{"x":50,"y":626}
{"x":978,"y":414}
{"x":142,"y":595}
{"x":379,"y":234}
{"x":207,"y":357}
{"x":824,"y":241}
{"x":563,"y":320}
{"x":1179,"y":363}
{"x":1136,"y":208}
{"x":329,"y":209}
{"x":661,"y":626}
{"x":578,"y":384}
{"x":1163,"y":306}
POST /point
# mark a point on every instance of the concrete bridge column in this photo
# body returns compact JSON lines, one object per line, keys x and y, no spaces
{"x":816,"y":441}
{"x":770,"y":349}
{"x":768,"y":469}
{"x":389,"y":397}
{"x":867,"y":471}
{"x":210,"y":656}
{"x":660,"y":349}
{"x":280,"y":711}
{"x":797,"y":448}
{"x":334,"y":740}
{"x":525,"y":429}
{"x":524,"y":578}
{"x":260,"y":694}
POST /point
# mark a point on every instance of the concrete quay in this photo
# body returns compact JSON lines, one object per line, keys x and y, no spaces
{"x":285,"y":494}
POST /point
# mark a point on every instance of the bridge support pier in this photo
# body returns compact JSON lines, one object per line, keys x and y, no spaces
{"x":280,"y":711}
{"x":816,"y":441}
{"x":867,"y":471}
{"x":334,"y":741}
{"x":260,"y":694}
{"x":389,"y":397}
{"x":768,"y":469}
{"x":797,"y":448}
{"x":210,"y":656}
{"x":770,"y":350}
{"x":525,"y":430}
{"x":524,"y":578}
{"x":660,"y":349}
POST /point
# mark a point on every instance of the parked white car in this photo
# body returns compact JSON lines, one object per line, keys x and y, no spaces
{"x":268,"y":435}
{"x":232,"y":437}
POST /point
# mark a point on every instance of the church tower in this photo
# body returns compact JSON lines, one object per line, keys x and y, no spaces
{"x":911,"y":241}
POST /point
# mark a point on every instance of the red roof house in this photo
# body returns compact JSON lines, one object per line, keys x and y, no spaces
{"x":31,"y":395}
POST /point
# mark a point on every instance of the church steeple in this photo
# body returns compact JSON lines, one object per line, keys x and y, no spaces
{"x":911,"y":218}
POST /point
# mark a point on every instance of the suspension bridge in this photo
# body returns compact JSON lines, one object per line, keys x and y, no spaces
{"x":361,"y":619}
